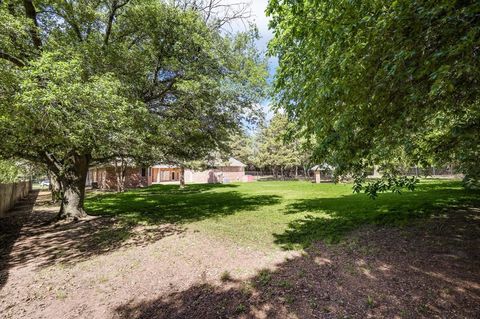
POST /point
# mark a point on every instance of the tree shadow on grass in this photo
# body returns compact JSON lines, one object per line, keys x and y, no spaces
{"x":169,"y":204}
{"x":176,"y":190}
{"x":426,"y":271}
{"x":131,"y":219}
{"x":331,"y":218}
{"x":30,"y":239}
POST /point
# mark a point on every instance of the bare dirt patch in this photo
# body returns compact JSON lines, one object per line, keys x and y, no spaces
{"x":100,"y":268}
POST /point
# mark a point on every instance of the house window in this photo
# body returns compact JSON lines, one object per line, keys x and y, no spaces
{"x":173,"y":175}
{"x":144,"y":171}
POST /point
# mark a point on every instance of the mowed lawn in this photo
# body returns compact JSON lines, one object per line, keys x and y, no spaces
{"x":278,"y":214}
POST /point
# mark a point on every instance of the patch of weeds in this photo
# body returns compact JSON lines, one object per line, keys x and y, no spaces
{"x":246,"y":288}
{"x":367,"y":250}
{"x":135,"y":264}
{"x":285,"y":284}
{"x":102,"y":279}
{"x":240,"y":308}
{"x":370,"y":302}
{"x":313,"y":303}
{"x":327,"y":309}
{"x":423,"y":308}
{"x":289,"y":299}
{"x":225,"y":276}
{"x":302,"y":273}
{"x":61,"y":295}
{"x":350,"y":269}
{"x":351,"y":244}
{"x":264,"y":277}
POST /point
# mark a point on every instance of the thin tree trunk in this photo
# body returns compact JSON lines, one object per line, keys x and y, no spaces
{"x":120,"y":172}
{"x":55,"y":187}
{"x":73,"y":189}
{"x":182,"y":176}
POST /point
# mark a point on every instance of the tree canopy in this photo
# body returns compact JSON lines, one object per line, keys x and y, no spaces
{"x":85,"y":82}
{"x":375,"y":81}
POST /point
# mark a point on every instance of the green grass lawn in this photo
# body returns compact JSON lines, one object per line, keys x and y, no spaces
{"x":278,"y":214}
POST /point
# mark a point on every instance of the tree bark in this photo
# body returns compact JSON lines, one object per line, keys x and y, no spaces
{"x":73,"y":189}
{"x":120,"y":172}
{"x":182,"y":176}
{"x":55,"y":187}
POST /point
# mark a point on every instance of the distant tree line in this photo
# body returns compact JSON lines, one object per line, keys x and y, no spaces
{"x":273,"y":149}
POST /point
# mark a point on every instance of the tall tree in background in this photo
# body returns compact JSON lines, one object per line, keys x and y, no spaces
{"x":374,"y":80}
{"x":78,"y":79}
{"x":242,"y":148}
{"x":276,"y":150}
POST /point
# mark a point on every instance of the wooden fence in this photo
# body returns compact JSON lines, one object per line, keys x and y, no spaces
{"x":11,"y":193}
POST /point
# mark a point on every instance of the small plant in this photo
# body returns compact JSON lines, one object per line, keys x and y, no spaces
{"x":246,"y":288}
{"x":350,"y":269}
{"x":370,"y":302}
{"x":226,"y":276}
{"x":102,"y":279}
{"x":240,"y":308}
{"x":285,"y":284}
{"x":313,"y":303}
{"x":423,"y":308}
{"x":289,"y":299}
{"x":264,"y":277}
{"x":61,"y":295}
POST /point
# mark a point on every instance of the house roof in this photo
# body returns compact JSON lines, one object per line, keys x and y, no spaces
{"x":164,"y":166}
{"x":234,"y":162}
{"x":322,"y":167}
{"x":231,"y":162}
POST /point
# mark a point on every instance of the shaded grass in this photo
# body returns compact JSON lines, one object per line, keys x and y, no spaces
{"x":169,"y":204}
{"x":272,"y":214}
{"x":330,"y":218}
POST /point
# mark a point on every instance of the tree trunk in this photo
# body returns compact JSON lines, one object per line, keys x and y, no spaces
{"x":182,"y":176}
{"x":73,"y":189}
{"x":120,"y":172}
{"x":55,"y":187}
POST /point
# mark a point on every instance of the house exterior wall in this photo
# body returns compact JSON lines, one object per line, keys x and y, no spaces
{"x":106,"y":178}
{"x":218,"y":175}
{"x":160,"y":175}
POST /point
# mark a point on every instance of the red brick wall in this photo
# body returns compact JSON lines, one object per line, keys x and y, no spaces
{"x":233,"y":174}
{"x":107,"y":178}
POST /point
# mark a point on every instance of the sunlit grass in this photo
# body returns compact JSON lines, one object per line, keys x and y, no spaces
{"x":278,"y":214}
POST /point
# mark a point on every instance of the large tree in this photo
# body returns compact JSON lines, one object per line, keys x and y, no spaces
{"x":276,"y":149}
{"x":83,"y":82}
{"x":375,"y":81}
